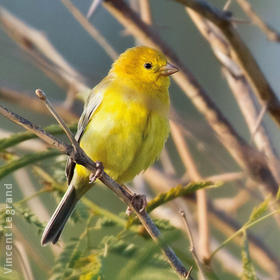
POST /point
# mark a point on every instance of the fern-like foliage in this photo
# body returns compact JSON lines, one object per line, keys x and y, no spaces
{"x":30,"y":217}
{"x":247,"y":264}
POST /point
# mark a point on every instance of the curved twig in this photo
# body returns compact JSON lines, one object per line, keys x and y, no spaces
{"x":123,"y":193}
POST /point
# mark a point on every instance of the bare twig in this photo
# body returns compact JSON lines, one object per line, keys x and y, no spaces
{"x":27,"y":101}
{"x":247,"y":157}
{"x":27,"y":188}
{"x":145,"y":11}
{"x":31,"y":146}
{"x":237,"y":147}
{"x":36,"y":44}
{"x":166,"y":162}
{"x":51,"y":109}
{"x":227,"y":4}
{"x":241,"y":90}
{"x":236,"y":79}
{"x":243,"y":94}
{"x":23,"y":261}
{"x":230,"y":205}
{"x":225,"y":223}
{"x":48,"y":138}
{"x":224,"y":257}
{"x":240,"y":53}
{"x":226,"y":177}
{"x":192,"y":248}
{"x":258,"y":121}
{"x":94,"y":33}
{"x":271,"y":34}
{"x":94,"y":5}
{"x":194,"y":175}
{"x":127,"y":196}
{"x":31,"y":251}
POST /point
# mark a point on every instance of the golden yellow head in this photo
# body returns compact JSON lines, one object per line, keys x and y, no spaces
{"x":143,"y":67}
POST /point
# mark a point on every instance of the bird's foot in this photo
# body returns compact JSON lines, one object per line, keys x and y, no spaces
{"x":98,"y":173}
{"x":139,"y":203}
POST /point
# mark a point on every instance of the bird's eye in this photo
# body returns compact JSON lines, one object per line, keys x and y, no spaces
{"x":148,"y":65}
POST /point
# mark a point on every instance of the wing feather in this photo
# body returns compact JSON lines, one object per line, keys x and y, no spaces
{"x":90,"y":107}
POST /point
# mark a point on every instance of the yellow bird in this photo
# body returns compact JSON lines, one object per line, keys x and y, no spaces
{"x":124,"y":125}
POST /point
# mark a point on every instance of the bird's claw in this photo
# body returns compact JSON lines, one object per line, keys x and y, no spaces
{"x":98,"y":173}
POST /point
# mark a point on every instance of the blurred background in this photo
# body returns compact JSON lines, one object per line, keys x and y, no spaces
{"x":18,"y":72}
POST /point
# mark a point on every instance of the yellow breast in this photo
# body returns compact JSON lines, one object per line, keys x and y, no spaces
{"x":126,"y":133}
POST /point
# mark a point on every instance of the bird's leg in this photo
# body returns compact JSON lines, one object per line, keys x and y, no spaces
{"x":139,"y":202}
{"x":98,"y":173}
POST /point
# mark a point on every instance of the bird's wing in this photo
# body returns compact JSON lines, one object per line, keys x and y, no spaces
{"x":90,"y":107}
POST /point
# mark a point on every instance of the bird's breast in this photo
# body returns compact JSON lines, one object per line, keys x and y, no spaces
{"x":126,"y":135}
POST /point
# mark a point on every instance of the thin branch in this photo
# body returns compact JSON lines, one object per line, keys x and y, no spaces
{"x":60,"y":121}
{"x":229,"y":262}
{"x":194,"y":175}
{"x":26,"y":101}
{"x":258,"y":121}
{"x":145,"y":11}
{"x":271,"y":34}
{"x":36,"y":44}
{"x":237,"y":147}
{"x":240,"y":52}
{"x":27,"y":188}
{"x":192,"y":247}
{"x":226,"y":177}
{"x":23,"y":261}
{"x":18,"y":138}
{"x":243,"y":94}
{"x":94,"y":33}
{"x":244,"y":227}
{"x":227,"y":5}
{"x":45,"y":136}
{"x":122,"y":192}
{"x":49,"y":181}
{"x":232,"y":204}
{"x":7,"y":137}
{"x":166,"y":162}
{"x":33,"y":252}
{"x":31,"y":158}
{"x":93,"y":7}
{"x":241,"y":90}
{"x":236,"y":79}
{"x":261,"y":253}
{"x":247,"y":157}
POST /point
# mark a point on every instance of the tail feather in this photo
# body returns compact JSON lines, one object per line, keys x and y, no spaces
{"x":59,"y":218}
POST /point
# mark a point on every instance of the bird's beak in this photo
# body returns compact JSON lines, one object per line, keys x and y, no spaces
{"x":168,"y":69}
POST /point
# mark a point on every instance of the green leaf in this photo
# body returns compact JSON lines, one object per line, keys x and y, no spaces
{"x":145,"y":255}
{"x":30,"y":217}
{"x":72,"y":264}
{"x":257,"y":215}
{"x":90,"y":267}
{"x":25,"y":160}
{"x":111,"y":243}
{"x":177,"y":192}
{"x":259,"y":210}
{"x":248,"y":267}
{"x":23,"y":136}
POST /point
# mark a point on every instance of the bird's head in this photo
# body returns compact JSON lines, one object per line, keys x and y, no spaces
{"x":144,"y":67}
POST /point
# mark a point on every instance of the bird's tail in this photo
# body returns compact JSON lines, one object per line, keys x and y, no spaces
{"x":59,"y":218}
